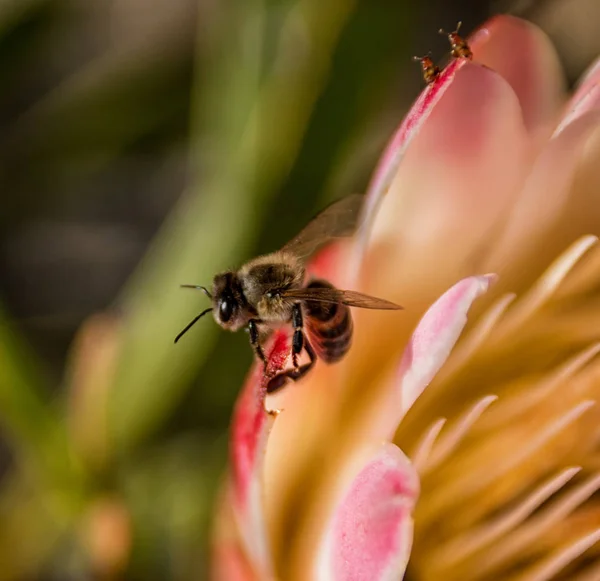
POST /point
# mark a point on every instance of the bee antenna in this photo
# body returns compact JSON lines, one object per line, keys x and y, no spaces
{"x":191,"y":324}
{"x":198,"y":287}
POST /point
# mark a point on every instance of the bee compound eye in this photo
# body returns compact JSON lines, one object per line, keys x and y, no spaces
{"x":225,"y":310}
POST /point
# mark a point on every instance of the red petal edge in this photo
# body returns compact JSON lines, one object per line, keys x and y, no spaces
{"x":390,"y":160}
{"x":251,"y":425}
{"x":394,"y":152}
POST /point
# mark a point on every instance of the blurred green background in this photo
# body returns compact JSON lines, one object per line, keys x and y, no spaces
{"x":148,"y":143}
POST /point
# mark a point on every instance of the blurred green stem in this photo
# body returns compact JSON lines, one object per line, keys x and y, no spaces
{"x":32,"y":425}
{"x":252,"y":126}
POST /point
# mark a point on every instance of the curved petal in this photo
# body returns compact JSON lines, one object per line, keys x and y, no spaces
{"x":386,"y":169}
{"x":523,"y":55}
{"x":590,"y":77}
{"x":451,"y":194}
{"x":435,"y":336}
{"x":251,"y":425}
{"x":559,"y":203}
{"x":368,"y":535}
{"x":430,"y":345}
{"x":459,"y":176}
{"x":418,"y":113}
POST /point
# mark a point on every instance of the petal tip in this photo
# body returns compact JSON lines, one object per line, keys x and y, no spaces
{"x":369,"y":535}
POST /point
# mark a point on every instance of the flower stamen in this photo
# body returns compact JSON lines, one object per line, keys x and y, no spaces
{"x":425,"y":445}
{"x":469,"y":483}
{"x":545,"y":287}
{"x":450,"y":440}
{"x":523,"y":537}
{"x":461,"y":547}
{"x":512,"y":406}
{"x":559,"y":560}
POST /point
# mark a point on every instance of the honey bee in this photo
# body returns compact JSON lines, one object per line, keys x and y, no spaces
{"x":272,"y":289}
{"x":430,"y":71}
{"x":460,"y":47}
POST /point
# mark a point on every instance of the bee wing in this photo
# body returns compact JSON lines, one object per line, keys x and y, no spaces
{"x":345,"y":297}
{"x":336,"y":221}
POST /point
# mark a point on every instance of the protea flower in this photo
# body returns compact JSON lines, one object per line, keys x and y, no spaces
{"x":461,"y":451}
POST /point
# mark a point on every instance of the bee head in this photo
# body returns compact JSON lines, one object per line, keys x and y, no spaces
{"x":229,"y":303}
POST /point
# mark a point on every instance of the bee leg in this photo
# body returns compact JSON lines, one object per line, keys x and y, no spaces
{"x":298,"y":337}
{"x":295,"y":374}
{"x":255,"y":341}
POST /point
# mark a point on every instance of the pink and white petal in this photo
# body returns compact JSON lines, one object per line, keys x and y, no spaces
{"x":418,"y":113}
{"x":459,"y":176}
{"x":426,"y":352}
{"x":386,"y":169}
{"x":454,"y":188}
{"x":590,"y":77}
{"x":516,"y":49}
{"x":586,"y":98}
{"x":251,"y":425}
{"x":523,"y":55}
{"x":435,"y":337}
{"x":368,"y":534}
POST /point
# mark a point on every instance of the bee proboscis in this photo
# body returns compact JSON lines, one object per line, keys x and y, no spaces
{"x":272,"y":289}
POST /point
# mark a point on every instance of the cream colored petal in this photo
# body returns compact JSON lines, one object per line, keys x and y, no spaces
{"x":559,"y":203}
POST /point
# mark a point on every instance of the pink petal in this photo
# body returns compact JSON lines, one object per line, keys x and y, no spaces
{"x":388,"y":164}
{"x":369,"y":535}
{"x":457,"y":181}
{"x":250,"y":429}
{"x":435,"y":336}
{"x":427,"y":350}
{"x":523,"y":55}
{"x":394,"y":151}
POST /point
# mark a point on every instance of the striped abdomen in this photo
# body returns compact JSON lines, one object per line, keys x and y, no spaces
{"x":329,"y":326}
